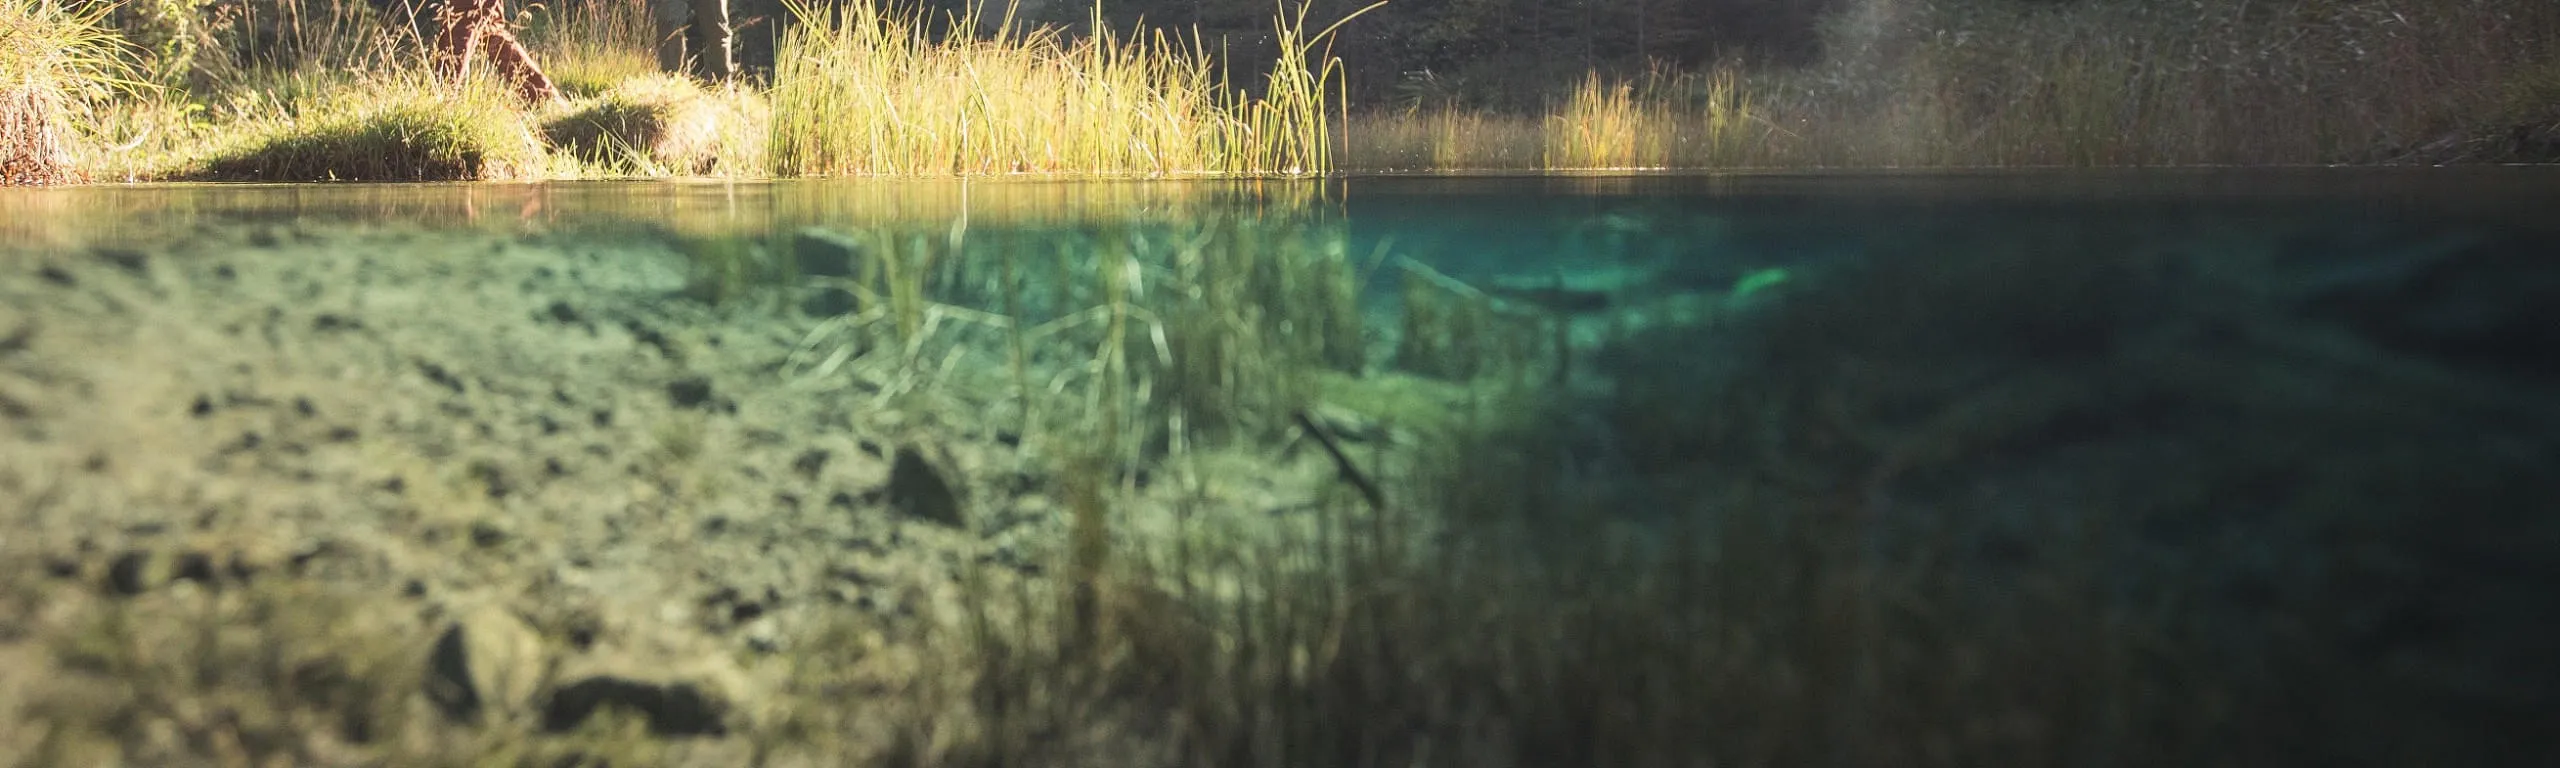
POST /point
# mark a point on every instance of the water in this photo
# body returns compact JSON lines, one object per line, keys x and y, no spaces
{"x":2059,"y":468}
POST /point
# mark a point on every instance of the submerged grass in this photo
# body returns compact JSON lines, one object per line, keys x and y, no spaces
{"x":1794,"y":557}
{"x":1890,"y":512}
{"x":1144,"y":337}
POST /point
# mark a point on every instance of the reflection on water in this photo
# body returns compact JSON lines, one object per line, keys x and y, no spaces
{"x":2014,"y":468}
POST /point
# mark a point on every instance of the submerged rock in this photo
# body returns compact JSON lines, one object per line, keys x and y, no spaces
{"x":697,"y":699}
{"x":823,"y":252}
{"x":921,"y":485}
{"x":486,"y":667}
{"x":672,"y":709}
{"x":830,"y":301}
{"x":2482,"y":304}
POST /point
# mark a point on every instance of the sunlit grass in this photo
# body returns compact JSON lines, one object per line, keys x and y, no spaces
{"x":1444,"y":139}
{"x":663,"y":125}
{"x":870,"y":90}
{"x":2077,"y":85}
{"x":1662,"y":120}
{"x":385,"y":128}
{"x":591,"y":48}
{"x":1603,"y":125}
{"x":55,"y":61}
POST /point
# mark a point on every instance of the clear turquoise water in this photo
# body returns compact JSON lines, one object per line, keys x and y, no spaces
{"x":2315,"y":413}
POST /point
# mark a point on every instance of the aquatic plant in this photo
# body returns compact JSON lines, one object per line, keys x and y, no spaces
{"x":1603,"y":125}
{"x":56,"y":60}
{"x":1452,"y":330}
{"x":1443,"y":139}
{"x":2090,"y":85}
{"x":1664,"y":119}
{"x":1288,"y":128}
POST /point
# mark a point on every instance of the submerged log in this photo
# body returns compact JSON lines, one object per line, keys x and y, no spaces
{"x":466,"y":29}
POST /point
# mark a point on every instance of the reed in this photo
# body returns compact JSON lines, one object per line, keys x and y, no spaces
{"x":1603,"y":125}
{"x":1447,"y":138}
{"x":872,"y":89}
{"x":1662,"y":119}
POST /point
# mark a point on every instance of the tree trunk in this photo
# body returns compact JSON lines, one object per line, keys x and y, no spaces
{"x":468,"y":28}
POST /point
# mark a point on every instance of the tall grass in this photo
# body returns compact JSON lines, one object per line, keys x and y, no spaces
{"x":2142,"y":83}
{"x":1447,"y":138}
{"x":588,"y":48}
{"x":2150,"y":83}
{"x":872,"y":89}
{"x":1662,"y":119}
{"x":1604,"y":126}
{"x":56,"y":60}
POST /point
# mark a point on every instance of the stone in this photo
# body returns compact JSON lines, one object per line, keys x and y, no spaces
{"x":921,"y":486}
{"x":823,"y":252}
{"x":705,"y":697}
{"x":487,"y":667}
{"x":690,"y":392}
{"x":131,"y":574}
{"x":830,"y":301}
{"x":672,"y":709}
{"x":2481,"y":304}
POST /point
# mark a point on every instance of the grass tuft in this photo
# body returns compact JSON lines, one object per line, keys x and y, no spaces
{"x":663,"y":125}
{"x":394,"y":128}
{"x":873,"y":89}
{"x":1603,"y":125}
{"x":593,"y":48}
{"x":55,"y":61}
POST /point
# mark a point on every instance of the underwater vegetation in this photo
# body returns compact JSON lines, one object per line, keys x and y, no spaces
{"x":1211,"y":485}
{"x":2024,"y":499}
{"x":1187,"y":486}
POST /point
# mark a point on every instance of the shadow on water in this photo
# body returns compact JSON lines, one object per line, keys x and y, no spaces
{"x":2169,"y":468}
